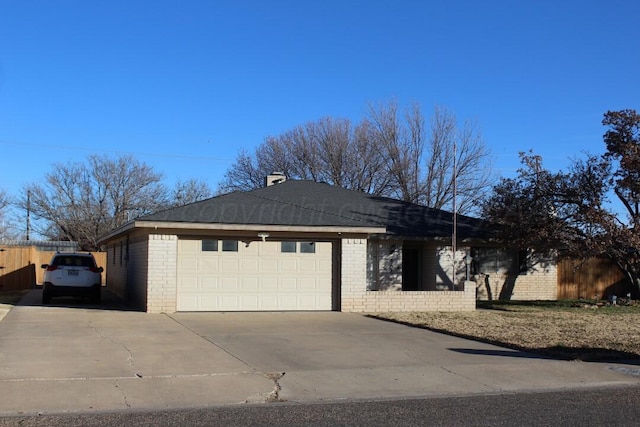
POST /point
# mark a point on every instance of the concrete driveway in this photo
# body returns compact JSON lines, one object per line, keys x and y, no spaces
{"x":71,"y":356}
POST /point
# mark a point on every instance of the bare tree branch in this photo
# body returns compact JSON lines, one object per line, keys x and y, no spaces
{"x":388,"y":153}
{"x":83,"y":201}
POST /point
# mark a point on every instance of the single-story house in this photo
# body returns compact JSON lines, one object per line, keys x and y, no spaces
{"x":296,"y":245}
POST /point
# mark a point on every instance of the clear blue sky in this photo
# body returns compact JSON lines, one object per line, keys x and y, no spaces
{"x":184,"y":85}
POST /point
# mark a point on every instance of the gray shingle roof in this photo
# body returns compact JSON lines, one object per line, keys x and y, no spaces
{"x":313,"y":204}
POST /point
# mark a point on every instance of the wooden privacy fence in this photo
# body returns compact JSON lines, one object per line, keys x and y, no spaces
{"x":20,"y":266}
{"x":586,"y":279}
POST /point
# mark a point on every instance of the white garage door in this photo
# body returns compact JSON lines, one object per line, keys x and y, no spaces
{"x":228,"y":275}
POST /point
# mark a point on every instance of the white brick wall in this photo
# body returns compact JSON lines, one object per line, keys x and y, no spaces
{"x":537,"y":284}
{"x":162,"y":273}
{"x":384,"y":265}
{"x":356,"y":298}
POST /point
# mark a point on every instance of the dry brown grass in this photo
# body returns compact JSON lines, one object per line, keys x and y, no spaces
{"x":568,"y":331}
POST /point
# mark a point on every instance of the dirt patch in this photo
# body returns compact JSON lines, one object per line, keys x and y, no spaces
{"x":584,"y":332}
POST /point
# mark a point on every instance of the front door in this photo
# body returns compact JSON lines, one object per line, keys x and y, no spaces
{"x":411,"y":268}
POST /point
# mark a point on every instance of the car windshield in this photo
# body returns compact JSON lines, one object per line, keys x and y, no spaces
{"x":73,"y":261}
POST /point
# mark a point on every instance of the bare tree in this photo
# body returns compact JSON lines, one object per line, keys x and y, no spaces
{"x":390,"y":153}
{"x":83,"y":201}
{"x":244,"y":175}
{"x":473,"y":173}
{"x":189,"y":191}
{"x":329,"y":150}
{"x":401,"y":146}
{"x":4,"y":204}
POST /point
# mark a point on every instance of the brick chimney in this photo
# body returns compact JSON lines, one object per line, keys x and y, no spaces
{"x":274,"y":178}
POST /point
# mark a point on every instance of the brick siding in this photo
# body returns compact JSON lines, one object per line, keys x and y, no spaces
{"x":537,"y":284}
{"x":356,"y":298}
{"x":162,"y":273}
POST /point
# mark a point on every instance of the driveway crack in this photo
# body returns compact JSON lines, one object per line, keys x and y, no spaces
{"x":130,"y":357}
{"x":274,"y":396}
{"x":124,"y":396}
{"x":212,"y":342}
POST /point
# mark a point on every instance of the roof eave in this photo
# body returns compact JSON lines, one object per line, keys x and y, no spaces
{"x":197,"y":226}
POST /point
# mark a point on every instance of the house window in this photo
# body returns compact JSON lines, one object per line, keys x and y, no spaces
{"x":229,"y":246}
{"x":209,"y":246}
{"x":494,"y":260}
{"x":288,"y":247}
{"x":307,"y":248}
{"x":302,"y":247}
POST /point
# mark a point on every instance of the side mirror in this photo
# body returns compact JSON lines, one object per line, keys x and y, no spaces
{"x":44,"y":266}
{"x":100,"y":269}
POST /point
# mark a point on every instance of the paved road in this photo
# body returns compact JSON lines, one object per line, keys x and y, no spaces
{"x":594,"y":407}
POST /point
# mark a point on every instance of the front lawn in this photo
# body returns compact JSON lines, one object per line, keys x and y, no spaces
{"x":580,"y":330}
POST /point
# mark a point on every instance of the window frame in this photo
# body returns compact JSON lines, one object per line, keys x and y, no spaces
{"x":204,"y":245}
{"x":227,"y":248}
{"x":286,"y":246}
{"x":307,"y":247}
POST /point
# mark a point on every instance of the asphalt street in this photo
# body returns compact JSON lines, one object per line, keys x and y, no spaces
{"x":594,"y":407}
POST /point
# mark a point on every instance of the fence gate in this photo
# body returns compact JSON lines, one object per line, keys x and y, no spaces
{"x":17,"y":268}
{"x":586,"y":279}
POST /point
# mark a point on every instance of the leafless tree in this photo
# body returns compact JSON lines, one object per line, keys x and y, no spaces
{"x":189,"y":191}
{"x":329,"y":150}
{"x":83,"y":201}
{"x":390,"y":153}
{"x":4,"y":204}
{"x":4,"y":200}
{"x":401,"y":147}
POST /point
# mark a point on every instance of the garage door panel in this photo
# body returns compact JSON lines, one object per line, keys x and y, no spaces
{"x":269,"y":284}
{"x":188,"y":263}
{"x":208,"y":265}
{"x":249,"y":302}
{"x":308,"y":284}
{"x":308,"y":266}
{"x":229,"y":284}
{"x":258,"y":277}
{"x":324,"y":264}
{"x":288,"y":265}
{"x":229,"y":265}
{"x":207,"y":300}
{"x":307,"y":302}
{"x":250,"y":265}
{"x":188,"y":302}
{"x":268,"y":302}
{"x":209,"y":283}
{"x":190,"y":283}
{"x":249,"y":284}
{"x":289,"y":302}
{"x":269,"y":265}
{"x":289,"y":283}
{"x":229,"y":302}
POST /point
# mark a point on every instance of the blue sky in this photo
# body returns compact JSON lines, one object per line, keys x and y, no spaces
{"x":184,"y":85}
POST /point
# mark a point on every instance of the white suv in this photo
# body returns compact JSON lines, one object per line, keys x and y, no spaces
{"x":72,"y":274}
